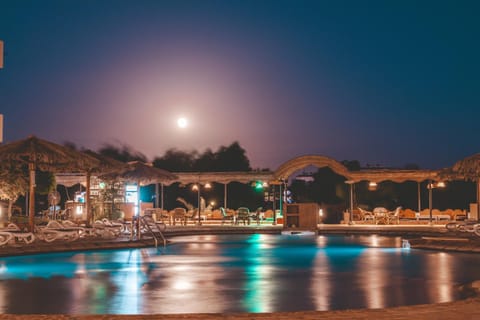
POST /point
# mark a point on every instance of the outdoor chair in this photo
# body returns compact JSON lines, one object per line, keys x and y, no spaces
{"x":257,"y":215}
{"x":366,"y":215}
{"x":193,"y":216}
{"x":225,"y":216}
{"x":181,"y":215}
{"x":394,"y":216}
{"x":161,"y":215}
{"x":243,"y":214}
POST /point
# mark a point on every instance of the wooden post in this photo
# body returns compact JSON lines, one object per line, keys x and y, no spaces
{"x":274,"y":207}
{"x":419,"y":198}
{"x":478,"y":200}
{"x":225,"y":196}
{"x":157,"y":196}
{"x":87,"y":200}
{"x":161,"y":190}
{"x":351,"y":204}
{"x":31,"y":199}
{"x":430,"y":189}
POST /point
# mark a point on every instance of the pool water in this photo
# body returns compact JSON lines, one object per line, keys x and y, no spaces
{"x":235,"y":273}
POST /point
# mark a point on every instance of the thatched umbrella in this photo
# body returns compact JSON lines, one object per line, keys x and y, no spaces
{"x":467,"y":169}
{"x":141,"y":174}
{"x":44,"y":155}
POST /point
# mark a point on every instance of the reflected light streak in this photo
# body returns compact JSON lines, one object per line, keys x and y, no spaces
{"x":128,"y":280}
{"x":3,"y":268}
{"x":321,"y":288}
{"x":259,"y":288}
{"x":374,"y":277}
{"x":374,"y":240}
{"x":3,"y":298}
{"x":322,"y":241}
{"x":182,"y":284}
{"x":440,"y":269}
{"x":186,"y":283}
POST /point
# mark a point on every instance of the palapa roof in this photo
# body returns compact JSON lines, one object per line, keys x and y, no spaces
{"x":45,"y":155}
{"x":137,"y":171}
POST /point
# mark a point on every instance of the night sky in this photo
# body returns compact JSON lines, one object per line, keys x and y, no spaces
{"x":383,"y":82}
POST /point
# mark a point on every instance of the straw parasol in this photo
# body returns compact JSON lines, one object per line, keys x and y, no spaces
{"x":44,"y":155}
{"x":467,"y":169}
{"x":140,"y":173}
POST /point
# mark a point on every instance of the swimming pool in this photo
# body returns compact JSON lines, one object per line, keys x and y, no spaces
{"x":235,"y":273}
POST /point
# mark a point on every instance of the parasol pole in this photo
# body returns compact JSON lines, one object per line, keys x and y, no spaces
{"x":478,"y":199}
{"x":139,"y":210}
{"x":157,"y":203}
{"x":87,"y":199}
{"x":430,"y":187}
{"x":31,"y":195}
{"x":225,"y":195}
{"x":419,"y":198}
{"x":161,"y":190}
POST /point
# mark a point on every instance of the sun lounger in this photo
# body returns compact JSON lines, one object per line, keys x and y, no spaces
{"x":55,"y":231}
{"x":5,"y":237}
{"x":13,"y":233}
{"x":107,"y":229}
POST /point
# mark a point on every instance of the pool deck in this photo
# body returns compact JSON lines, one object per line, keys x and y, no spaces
{"x":434,"y":237}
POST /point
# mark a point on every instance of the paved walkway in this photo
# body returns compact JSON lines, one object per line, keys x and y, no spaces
{"x":428,"y":237}
{"x":465,"y":310}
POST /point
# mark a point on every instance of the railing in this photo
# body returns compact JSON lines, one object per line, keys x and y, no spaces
{"x":150,"y":224}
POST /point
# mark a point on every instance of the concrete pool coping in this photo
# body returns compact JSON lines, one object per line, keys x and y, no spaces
{"x":424,"y":237}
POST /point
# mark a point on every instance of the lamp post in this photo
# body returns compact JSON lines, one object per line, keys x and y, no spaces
{"x":197,"y":187}
{"x":430,"y":186}
{"x":351,"y":183}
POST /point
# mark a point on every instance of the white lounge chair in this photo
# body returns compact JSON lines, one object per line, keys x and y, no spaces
{"x":55,"y":231}
{"x":108,"y":229}
{"x":13,"y":232}
{"x":5,"y":237}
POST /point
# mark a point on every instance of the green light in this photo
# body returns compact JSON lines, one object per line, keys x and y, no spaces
{"x":259,"y":185}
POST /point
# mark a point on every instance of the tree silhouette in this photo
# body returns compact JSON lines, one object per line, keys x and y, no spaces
{"x":232,"y":158}
{"x":176,"y":161}
{"x":123,"y":153}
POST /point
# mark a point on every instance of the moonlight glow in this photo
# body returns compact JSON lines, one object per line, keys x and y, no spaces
{"x":182,"y":123}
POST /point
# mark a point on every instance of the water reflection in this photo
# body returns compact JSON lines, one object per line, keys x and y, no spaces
{"x":320,"y":284}
{"x":373,"y":277}
{"x":235,"y":273}
{"x":440,"y":277}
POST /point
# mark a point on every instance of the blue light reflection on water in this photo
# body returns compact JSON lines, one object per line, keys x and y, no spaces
{"x":235,"y":273}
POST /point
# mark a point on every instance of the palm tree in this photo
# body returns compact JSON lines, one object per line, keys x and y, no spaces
{"x":13,"y":183}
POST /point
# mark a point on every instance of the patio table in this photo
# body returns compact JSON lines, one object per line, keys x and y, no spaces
{"x":381,"y":215}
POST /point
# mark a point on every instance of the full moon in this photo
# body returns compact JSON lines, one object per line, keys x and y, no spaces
{"x":182,"y":123}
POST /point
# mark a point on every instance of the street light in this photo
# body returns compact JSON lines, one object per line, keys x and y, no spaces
{"x":197,"y":187}
{"x":351,"y":183}
{"x":430,"y":186}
